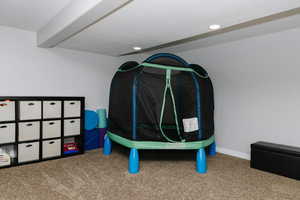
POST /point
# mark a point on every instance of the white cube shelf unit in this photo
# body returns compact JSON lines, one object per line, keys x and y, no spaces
{"x":34,"y":129}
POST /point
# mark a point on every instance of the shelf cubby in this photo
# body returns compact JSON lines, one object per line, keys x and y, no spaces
{"x":34,"y":129}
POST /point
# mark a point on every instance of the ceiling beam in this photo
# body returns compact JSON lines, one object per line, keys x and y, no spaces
{"x":236,"y":27}
{"x":74,"y":18}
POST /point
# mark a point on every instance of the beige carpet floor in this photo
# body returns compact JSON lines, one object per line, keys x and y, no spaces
{"x":163,"y":175}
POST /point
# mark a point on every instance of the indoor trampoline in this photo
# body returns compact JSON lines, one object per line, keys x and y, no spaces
{"x":162,"y":103}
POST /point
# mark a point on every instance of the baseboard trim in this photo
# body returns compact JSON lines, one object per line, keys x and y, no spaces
{"x":233,"y":153}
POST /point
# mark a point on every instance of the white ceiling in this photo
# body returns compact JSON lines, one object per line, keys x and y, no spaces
{"x":148,"y":23}
{"x":29,"y":14}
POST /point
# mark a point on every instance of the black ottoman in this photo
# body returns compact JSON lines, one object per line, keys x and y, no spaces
{"x":275,"y":158}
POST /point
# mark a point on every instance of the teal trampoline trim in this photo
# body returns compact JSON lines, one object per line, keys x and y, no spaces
{"x":160,"y":145}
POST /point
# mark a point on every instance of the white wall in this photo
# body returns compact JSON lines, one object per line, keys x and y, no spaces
{"x":257,"y":90}
{"x":256,"y":82}
{"x":31,"y":71}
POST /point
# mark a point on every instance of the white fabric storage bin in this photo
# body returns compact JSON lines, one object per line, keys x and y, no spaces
{"x":7,"y":133}
{"x":72,"y":108}
{"x":29,"y":131}
{"x":51,"y":129}
{"x":51,"y":109}
{"x":51,"y":148}
{"x":72,"y":127}
{"x":30,"y":110}
{"x":28,"y":152}
{"x":7,"y":111}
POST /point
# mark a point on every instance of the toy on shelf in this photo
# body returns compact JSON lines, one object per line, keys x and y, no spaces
{"x":70,"y":148}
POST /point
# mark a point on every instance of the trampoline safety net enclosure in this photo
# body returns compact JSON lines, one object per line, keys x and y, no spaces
{"x":162,"y":103}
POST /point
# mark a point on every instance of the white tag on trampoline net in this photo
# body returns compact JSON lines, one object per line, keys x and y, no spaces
{"x":190,"y":124}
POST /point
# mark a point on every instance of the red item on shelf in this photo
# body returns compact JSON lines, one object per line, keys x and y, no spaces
{"x":70,"y":147}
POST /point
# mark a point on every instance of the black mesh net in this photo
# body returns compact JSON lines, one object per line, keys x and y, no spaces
{"x":160,"y":110}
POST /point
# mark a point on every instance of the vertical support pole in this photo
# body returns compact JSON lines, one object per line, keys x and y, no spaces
{"x":133,"y":162}
{"x":198,"y":106}
{"x":201,"y":161}
{"x":134,"y":109}
{"x":212,"y":149}
{"x":133,"y":165}
{"x":107,"y":145}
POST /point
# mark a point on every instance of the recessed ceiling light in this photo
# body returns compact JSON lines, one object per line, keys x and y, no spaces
{"x":137,"y":48}
{"x":214,"y":27}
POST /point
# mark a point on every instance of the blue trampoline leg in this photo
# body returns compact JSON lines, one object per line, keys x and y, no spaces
{"x":107,"y":146}
{"x":133,"y":166}
{"x":201,"y":161}
{"x":212,"y":149}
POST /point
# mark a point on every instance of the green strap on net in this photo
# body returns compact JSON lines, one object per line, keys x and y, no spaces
{"x":169,"y":87}
{"x":162,"y":114}
{"x":174,"y":104}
